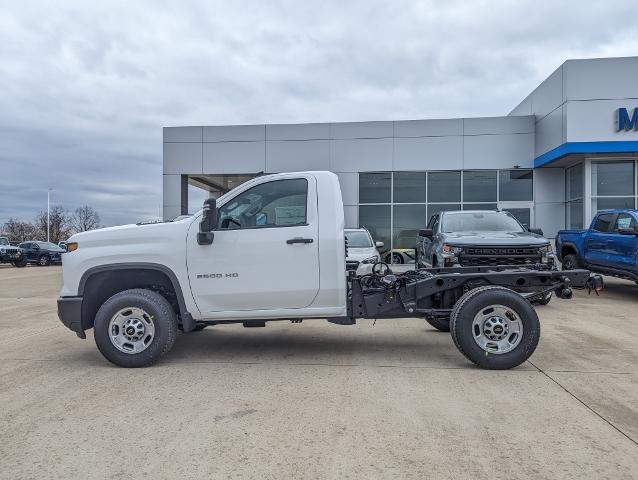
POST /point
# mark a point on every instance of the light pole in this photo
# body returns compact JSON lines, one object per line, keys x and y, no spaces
{"x":48,"y":213}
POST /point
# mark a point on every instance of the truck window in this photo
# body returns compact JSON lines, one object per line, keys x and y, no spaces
{"x":604,"y":222}
{"x":280,"y":203}
{"x":625,"y":221}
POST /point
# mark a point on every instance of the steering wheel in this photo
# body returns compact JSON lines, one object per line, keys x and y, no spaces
{"x":227,"y":221}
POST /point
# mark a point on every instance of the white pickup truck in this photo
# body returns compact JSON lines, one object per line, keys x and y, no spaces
{"x":273,"y":249}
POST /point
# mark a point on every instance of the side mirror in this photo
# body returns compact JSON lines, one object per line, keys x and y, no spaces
{"x":426,"y":232}
{"x":537,"y":231}
{"x":379,"y":244}
{"x":208,"y":223}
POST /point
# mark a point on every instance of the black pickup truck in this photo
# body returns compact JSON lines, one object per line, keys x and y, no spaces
{"x":480,"y":238}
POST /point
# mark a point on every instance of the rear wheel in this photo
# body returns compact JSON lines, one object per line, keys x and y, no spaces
{"x":134,"y":328}
{"x":571,"y":262}
{"x":495,"y":327}
{"x":439,"y":324}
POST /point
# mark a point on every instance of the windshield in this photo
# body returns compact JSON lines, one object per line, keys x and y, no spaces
{"x":358,"y":239}
{"x":47,"y":245}
{"x":4,"y":241}
{"x":480,"y":222}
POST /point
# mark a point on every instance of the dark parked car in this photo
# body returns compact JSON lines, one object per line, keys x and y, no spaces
{"x":42,"y":253}
{"x":609,"y":246}
{"x":480,"y":237}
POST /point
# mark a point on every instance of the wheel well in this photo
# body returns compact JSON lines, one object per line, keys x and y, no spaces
{"x":567,"y":250}
{"x":102,"y":285}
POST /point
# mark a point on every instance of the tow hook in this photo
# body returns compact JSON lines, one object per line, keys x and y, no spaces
{"x":564,"y":292}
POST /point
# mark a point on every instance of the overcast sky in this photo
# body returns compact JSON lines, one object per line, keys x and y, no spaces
{"x":86,"y":87}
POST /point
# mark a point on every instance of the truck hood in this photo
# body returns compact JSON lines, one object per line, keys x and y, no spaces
{"x":149,"y":233}
{"x":494,"y":238}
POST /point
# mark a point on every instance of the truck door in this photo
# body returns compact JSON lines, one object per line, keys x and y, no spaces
{"x":265,"y":253}
{"x":598,"y":240}
{"x":624,"y":245}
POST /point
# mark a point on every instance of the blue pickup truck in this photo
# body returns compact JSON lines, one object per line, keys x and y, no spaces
{"x":609,"y":246}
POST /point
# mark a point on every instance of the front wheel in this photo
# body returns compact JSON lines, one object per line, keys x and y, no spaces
{"x":44,"y":260}
{"x":570,"y":262}
{"x":495,"y":327}
{"x":20,"y":263}
{"x":134,"y":328}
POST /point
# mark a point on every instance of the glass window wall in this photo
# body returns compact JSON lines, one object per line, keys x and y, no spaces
{"x":375,"y":187}
{"x":394,"y":206}
{"x":479,"y":186}
{"x":516,"y":185}
{"x":574,"y":181}
{"x":612,"y":185}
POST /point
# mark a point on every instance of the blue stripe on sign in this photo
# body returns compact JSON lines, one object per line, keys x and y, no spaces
{"x":585,"y":147}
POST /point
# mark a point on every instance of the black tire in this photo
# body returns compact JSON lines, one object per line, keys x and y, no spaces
{"x":571,"y":262}
{"x":397,"y":259}
{"x":479,"y":299}
{"x":438,"y":323}
{"x":44,"y":260}
{"x":161,"y":314}
{"x":20,"y":263}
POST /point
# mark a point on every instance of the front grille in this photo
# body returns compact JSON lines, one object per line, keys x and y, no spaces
{"x":481,"y":256}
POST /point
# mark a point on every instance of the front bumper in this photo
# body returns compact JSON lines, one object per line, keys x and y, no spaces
{"x":6,"y":257}
{"x":70,"y":314}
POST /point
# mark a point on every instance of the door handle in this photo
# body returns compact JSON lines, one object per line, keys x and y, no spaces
{"x":290,"y":241}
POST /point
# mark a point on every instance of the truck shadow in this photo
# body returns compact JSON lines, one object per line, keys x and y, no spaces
{"x":313,"y":346}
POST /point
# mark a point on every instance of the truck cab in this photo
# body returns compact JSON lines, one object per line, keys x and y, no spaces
{"x":275,"y":252}
{"x":609,"y":245}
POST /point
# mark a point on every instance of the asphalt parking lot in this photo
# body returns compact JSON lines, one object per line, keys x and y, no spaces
{"x":316,"y":400}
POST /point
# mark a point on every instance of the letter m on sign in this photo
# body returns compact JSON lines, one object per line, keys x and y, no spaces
{"x":625,"y":122}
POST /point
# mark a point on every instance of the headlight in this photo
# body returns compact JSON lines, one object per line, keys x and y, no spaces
{"x":546,"y":248}
{"x":452,"y":249}
{"x":371,"y":260}
{"x":2,"y":250}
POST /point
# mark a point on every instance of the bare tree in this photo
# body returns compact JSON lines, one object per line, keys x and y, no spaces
{"x":59,"y":224}
{"x":84,"y":218}
{"x":18,"y":231}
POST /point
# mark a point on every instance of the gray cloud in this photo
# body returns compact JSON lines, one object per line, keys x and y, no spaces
{"x":86,"y":88}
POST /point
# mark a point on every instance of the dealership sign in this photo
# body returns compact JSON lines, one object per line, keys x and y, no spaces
{"x":626,"y":122}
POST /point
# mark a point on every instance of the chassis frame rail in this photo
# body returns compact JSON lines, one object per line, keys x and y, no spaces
{"x":434,"y":291}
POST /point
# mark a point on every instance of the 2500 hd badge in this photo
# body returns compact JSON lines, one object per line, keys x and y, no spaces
{"x":217,"y":275}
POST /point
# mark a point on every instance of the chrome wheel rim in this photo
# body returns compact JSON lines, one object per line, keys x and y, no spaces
{"x":131,"y":330}
{"x":497,"y":329}
{"x":43,"y":261}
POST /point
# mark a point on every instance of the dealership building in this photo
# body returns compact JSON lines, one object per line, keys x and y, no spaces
{"x":569,"y":149}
